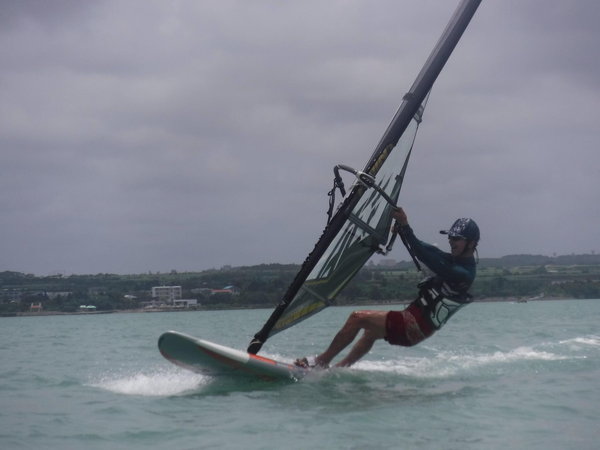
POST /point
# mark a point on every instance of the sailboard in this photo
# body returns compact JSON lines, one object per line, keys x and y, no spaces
{"x":362,"y":224}
{"x":209,"y":358}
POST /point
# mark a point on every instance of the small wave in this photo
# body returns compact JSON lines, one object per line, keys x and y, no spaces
{"x":158,"y":383}
{"x":518,"y":354}
{"x":447,"y":363}
{"x":593,"y":341}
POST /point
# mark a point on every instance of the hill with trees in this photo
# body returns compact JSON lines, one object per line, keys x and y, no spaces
{"x":510,"y":277}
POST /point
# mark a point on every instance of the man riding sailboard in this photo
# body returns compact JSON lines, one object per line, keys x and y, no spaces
{"x":440,"y":296}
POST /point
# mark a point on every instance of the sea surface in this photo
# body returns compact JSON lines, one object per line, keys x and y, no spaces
{"x":499,"y":375}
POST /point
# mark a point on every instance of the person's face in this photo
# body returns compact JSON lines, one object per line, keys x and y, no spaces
{"x":457,"y":245}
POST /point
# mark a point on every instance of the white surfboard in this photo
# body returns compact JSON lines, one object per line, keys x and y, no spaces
{"x":209,"y":358}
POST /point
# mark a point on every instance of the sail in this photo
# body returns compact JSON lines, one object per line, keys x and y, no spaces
{"x":365,"y":231}
{"x":361,"y":225}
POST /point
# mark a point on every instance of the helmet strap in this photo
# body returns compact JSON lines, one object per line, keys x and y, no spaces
{"x":468,"y":248}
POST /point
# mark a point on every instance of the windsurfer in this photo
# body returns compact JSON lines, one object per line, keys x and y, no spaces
{"x":440,"y":296}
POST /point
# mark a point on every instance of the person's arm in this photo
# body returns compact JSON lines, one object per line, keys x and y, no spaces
{"x":435,"y":259}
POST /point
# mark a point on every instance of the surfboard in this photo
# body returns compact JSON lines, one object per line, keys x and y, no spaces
{"x":209,"y":358}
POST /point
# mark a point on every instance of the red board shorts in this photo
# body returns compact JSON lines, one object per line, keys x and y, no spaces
{"x":408,"y":327}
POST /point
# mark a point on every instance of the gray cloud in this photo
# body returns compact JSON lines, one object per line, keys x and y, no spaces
{"x":156,"y":135}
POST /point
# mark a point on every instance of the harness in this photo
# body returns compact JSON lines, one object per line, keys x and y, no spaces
{"x":440,"y":301}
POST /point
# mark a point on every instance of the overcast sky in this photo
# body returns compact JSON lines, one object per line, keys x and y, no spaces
{"x":159,"y":135}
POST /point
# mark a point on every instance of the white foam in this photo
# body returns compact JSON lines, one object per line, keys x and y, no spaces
{"x":157,"y":383}
{"x":518,"y":354}
{"x":593,"y":341}
{"x":407,"y":366}
{"x":448,"y":363}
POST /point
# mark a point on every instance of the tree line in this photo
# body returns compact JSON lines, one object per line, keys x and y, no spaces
{"x":515,"y":276}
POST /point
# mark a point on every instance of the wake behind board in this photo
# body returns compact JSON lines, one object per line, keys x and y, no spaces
{"x":209,"y":358}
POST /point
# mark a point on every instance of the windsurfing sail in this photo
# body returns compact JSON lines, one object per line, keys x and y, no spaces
{"x":361,"y":225}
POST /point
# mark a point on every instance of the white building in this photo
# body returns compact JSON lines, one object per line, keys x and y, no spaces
{"x":166,"y":294}
{"x":186,"y":303}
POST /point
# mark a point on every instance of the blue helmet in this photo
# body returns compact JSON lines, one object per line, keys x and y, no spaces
{"x":464,"y":228}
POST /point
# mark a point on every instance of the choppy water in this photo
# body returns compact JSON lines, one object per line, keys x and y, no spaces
{"x":499,"y":375}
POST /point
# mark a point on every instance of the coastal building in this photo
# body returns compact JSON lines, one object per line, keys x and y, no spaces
{"x":231,"y":290}
{"x":87,"y":308}
{"x":186,"y":303}
{"x":166,"y":294}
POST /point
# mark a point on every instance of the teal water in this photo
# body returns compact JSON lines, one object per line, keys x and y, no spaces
{"x":499,"y":375}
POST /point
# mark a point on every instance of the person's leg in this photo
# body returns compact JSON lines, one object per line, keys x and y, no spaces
{"x":373,"y":322}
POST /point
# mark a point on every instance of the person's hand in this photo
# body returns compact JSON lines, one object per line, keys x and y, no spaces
{"x":400,"y":216}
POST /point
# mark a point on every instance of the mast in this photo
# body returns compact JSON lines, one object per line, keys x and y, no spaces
{"x":408,"y":109}
{"x":424,"y":82}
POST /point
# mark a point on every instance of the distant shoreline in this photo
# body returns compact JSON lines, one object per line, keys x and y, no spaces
{"x":166,"y":310}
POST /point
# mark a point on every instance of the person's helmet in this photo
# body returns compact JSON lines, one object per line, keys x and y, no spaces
{"x":464,"y":228}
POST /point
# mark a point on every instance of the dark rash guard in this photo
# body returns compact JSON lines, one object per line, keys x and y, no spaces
{"x":446,"y":292}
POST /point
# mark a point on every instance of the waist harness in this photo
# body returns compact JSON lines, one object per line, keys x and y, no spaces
{"x":440,"y":301}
